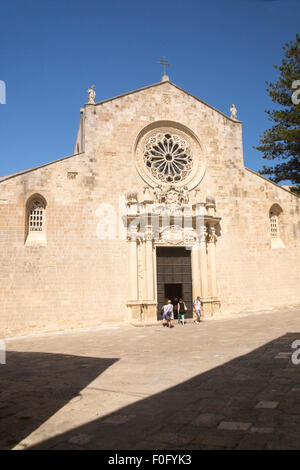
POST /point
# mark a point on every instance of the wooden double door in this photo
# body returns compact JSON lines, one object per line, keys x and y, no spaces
{"x":174,"y":277}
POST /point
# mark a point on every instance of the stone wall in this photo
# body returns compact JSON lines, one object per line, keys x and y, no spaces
{"x":251,"y":274}
{"x":79,"y":279}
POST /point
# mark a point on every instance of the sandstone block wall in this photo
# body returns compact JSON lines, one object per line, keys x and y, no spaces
{"x":79,"y":278}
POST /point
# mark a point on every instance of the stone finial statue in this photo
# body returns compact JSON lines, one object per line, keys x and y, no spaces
{"x":210,"y":199}
{"x":131,"y":196}
{"x":158,"y":193}
{"x":185,"y":195}
{"x":198,"y":196}
{"x":92,"y":95}
{"x":147,"y":195}
{"x":233,"y":111}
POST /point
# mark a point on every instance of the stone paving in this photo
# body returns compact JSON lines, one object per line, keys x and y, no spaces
{"x":223,"y":384}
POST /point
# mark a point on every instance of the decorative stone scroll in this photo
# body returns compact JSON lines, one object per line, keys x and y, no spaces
{"x":171,"y":195}
{"x":211,"y":235}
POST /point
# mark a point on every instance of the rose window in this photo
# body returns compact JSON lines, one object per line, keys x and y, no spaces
{"x":168,"y":157}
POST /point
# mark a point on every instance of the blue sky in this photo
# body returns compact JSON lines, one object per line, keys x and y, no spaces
{"x":222,"y":51}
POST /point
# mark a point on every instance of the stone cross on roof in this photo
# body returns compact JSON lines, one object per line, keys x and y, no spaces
{"x":165,"y":63}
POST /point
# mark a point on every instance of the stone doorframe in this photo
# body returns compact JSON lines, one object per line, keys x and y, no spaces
{"x":149,"y":224}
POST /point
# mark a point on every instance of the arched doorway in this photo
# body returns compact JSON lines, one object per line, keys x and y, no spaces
{"x":174,"y":277}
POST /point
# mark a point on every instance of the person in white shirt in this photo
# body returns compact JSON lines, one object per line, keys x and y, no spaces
{"x":198,"y":309}
{"x":168,"y":315}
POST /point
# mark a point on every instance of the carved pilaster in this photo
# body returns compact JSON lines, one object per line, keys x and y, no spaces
{"x":132,"y":266}
{"x":211,"y":248}
{"x":203,"y":231}
{"x":196,"y":274}
{"x":203,"y":261}
{"x":149,"y":263}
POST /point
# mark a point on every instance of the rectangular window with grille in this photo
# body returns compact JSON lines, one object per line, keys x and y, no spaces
{"x":274,"y":226}
{"x":36,"y":220}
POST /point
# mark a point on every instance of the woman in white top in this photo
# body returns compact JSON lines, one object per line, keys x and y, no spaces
{"x":198,"y":309}
{"x":168,"y":314}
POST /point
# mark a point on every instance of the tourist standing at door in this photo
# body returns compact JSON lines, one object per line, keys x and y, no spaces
{"x":182,"y":308}
{"x":168,"y":315}
{"x":198,"y":309}
{"x":175,"y":310}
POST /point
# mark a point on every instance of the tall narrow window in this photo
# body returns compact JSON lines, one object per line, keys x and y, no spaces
{"x":275,"y":223}
{"x":36,"y":216}
{"x":35,"y":233}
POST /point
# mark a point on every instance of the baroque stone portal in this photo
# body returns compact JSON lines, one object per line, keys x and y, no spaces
{"x":168,"y":219}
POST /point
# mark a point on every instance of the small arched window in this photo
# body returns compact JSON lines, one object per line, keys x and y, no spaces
{"x":274,"y":219}
{"x":274,"y":225}
{"x":36,"y":216}
{"x":35,"y":220}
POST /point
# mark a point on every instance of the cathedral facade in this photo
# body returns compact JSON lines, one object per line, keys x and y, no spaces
{"x":154,"y":203}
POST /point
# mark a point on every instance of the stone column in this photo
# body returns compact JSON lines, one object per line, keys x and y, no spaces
{"x":203,"y":262}
{"x":212,"y":238}
{"x":196,"y":280}
{"x":149,"y":264}
{"x":143,"y":273}
{"x":154,"y":272}
{"x":132,"y":267}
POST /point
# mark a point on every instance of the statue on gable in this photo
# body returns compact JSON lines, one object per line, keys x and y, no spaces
{"x":233,"y":112}
{"x":92,"y":95}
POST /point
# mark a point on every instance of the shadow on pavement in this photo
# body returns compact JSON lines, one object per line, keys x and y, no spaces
{"x":36,"y":385}
{"x":251,"y":402}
